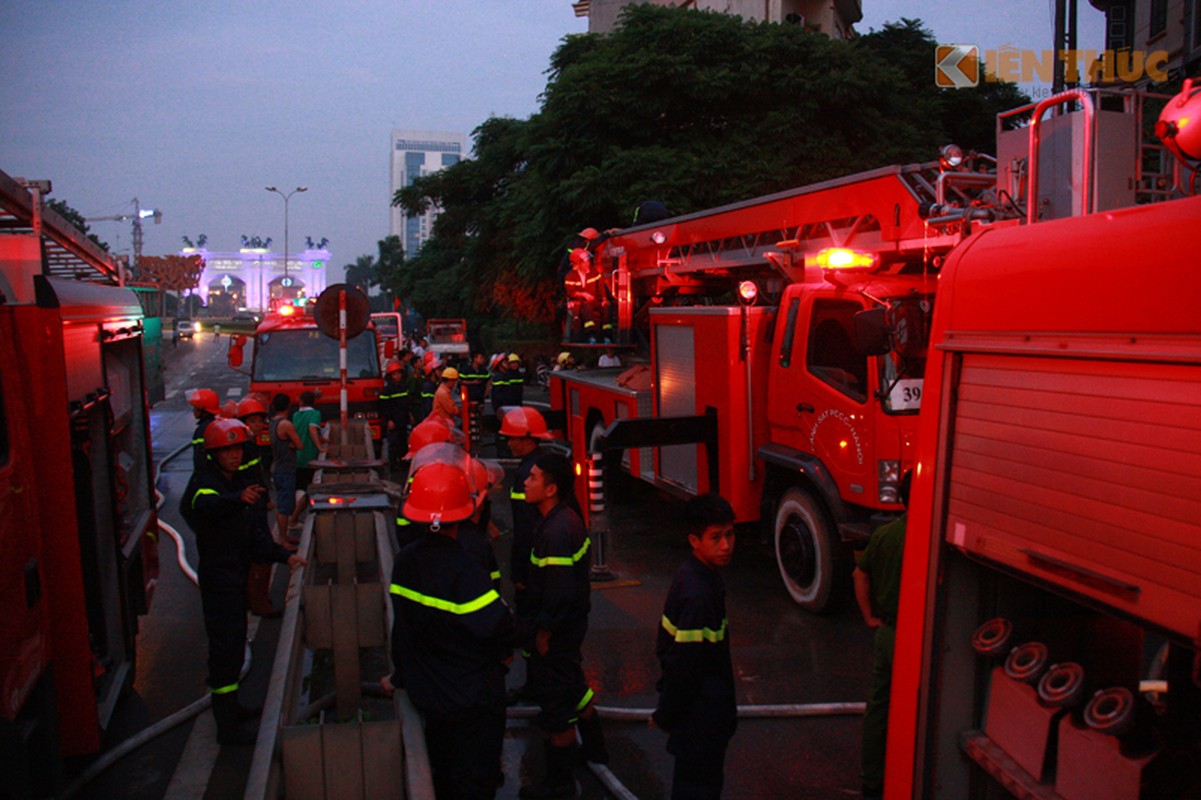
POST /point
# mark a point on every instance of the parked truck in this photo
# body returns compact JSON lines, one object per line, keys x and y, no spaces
{"x":800,"y":321}
{"x":1050,"y":617}
{"x":78,"y":527}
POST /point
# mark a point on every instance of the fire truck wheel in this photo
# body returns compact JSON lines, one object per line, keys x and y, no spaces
{"x":813,"y":564}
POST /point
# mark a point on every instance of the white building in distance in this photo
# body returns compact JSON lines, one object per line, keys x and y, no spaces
{"x":252,"y":277}
{"x":417,"y":153}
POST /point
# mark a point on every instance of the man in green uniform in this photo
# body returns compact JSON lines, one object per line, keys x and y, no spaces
{"x":877,"y":589}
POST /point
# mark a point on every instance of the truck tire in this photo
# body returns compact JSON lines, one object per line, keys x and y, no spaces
{"x":813,"y":563}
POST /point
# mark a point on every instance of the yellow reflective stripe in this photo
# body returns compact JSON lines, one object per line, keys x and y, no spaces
{"x":495,"y":575}
{"x":469,"y":607}
{"x":198,"y":441}
{"x":561,"y":561}
{"x":584,"y":701}
{"x":254,"y":462}
{"x":516,"y":495}
{"x":233,"y":687}
{"x":401,"y":522}
{"x":696,"y":634}
{"x":203,"y":491}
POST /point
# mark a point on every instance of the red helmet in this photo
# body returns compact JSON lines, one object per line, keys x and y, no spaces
{"x":430,"y":361}
{"x":249,"y":407}
{"x":522,"y":421}
{"x":394,"y":365}
{"x":205,"y":400}
{"x":440,"y":493}
{"x":428,"y":432}
{"x":589,"y":234}
{"x":485,"y":476}
{"x":1179,"y":125}
{"x":229,"y":409}
{"x":224,"y":432}
{"x":579,"y":256}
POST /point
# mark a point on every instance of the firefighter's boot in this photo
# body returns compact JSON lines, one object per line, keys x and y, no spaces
{"x":231,"y":729}
{"x":258,"y":588}
{"x":592,"y":737}
{"x":560,"y":777}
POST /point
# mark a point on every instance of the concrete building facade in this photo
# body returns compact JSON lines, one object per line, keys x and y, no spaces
{"x":1147,"y":26}
{"x":416,"y":153}
{"x":834,"y":18}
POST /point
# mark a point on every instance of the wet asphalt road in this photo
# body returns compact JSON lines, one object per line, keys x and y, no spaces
{"x":781,"y":655}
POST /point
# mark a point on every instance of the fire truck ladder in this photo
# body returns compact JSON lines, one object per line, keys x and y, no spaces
{"x":68,"y":251}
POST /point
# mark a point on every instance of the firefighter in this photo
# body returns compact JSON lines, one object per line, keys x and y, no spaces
{"x":431,"y":364}
{"x":217,"y":505}
{"x":877,"y":592}
{"x":444,"y":406}
{"x":583,"y":304}
{"x":476,"y":533}
{"x":556,"y":622}
{"x":451,"y":637}
{"x":508,"y":384}
{"x":255,"y":469}
{"x":475,"y":377}
{"x":205,"y":407}
{"x":696,"y":690}
{"x":426,"y":432}
{"x":396,"y":411}
{"x":522,"y":428}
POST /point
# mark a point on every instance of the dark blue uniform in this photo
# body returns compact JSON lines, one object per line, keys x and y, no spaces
{"x":395,"y":407}
{"x":450,"y":634}
{"x":696,"y":691}
{"x":199,"y":455}
{"x":428,"y":388}
{"x":508,"y":388}
{"x":559,"y":600}
{"x":228,"y":539}
{"x":525,"y":520}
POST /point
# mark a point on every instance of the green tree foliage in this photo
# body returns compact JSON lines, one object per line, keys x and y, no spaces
{"x":695,"y":109}
{"x":362,"y":273}
{"x":72,"y":216}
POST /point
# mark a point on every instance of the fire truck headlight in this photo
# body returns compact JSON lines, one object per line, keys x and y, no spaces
{"x":890,"y":479}
{"x":950,"y":156}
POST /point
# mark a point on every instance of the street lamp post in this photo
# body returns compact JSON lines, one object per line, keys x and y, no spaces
{"x":286,"y":198}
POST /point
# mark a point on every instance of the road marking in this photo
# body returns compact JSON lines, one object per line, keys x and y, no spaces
{"x":234,"y":392}
{"x":191,"y":777}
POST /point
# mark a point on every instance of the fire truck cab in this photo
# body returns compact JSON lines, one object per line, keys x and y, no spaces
{"x":292,"y":355}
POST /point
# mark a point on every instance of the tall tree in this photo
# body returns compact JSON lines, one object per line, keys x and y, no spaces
{"x":75,"y":218}
{"x":695,"y":109}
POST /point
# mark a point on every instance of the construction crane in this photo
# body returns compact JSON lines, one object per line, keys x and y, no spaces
{"x":137,"y":216}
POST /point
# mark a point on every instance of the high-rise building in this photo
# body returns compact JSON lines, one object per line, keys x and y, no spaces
{"x":834,"y":18}
{"x":417,"y":153}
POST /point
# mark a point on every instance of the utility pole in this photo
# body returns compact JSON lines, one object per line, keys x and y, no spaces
{"x":1065,"y":43}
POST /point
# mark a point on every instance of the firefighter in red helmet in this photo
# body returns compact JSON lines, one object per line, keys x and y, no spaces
{"x":206,"y":406}
{"x":451,"y":634}
{"x":217,"y":505}
{"x":256,"y":469}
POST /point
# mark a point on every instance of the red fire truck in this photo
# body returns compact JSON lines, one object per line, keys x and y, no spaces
{"x":1050,"y":620}
{"x":815,"y":392}
{"x":292,"y":355}
{"x":78,"y":556}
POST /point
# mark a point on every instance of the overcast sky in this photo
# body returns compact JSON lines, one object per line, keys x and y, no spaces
{"x":193,"y":108}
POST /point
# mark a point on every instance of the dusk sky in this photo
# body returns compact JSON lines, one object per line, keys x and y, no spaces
{"x":193,"y":108}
